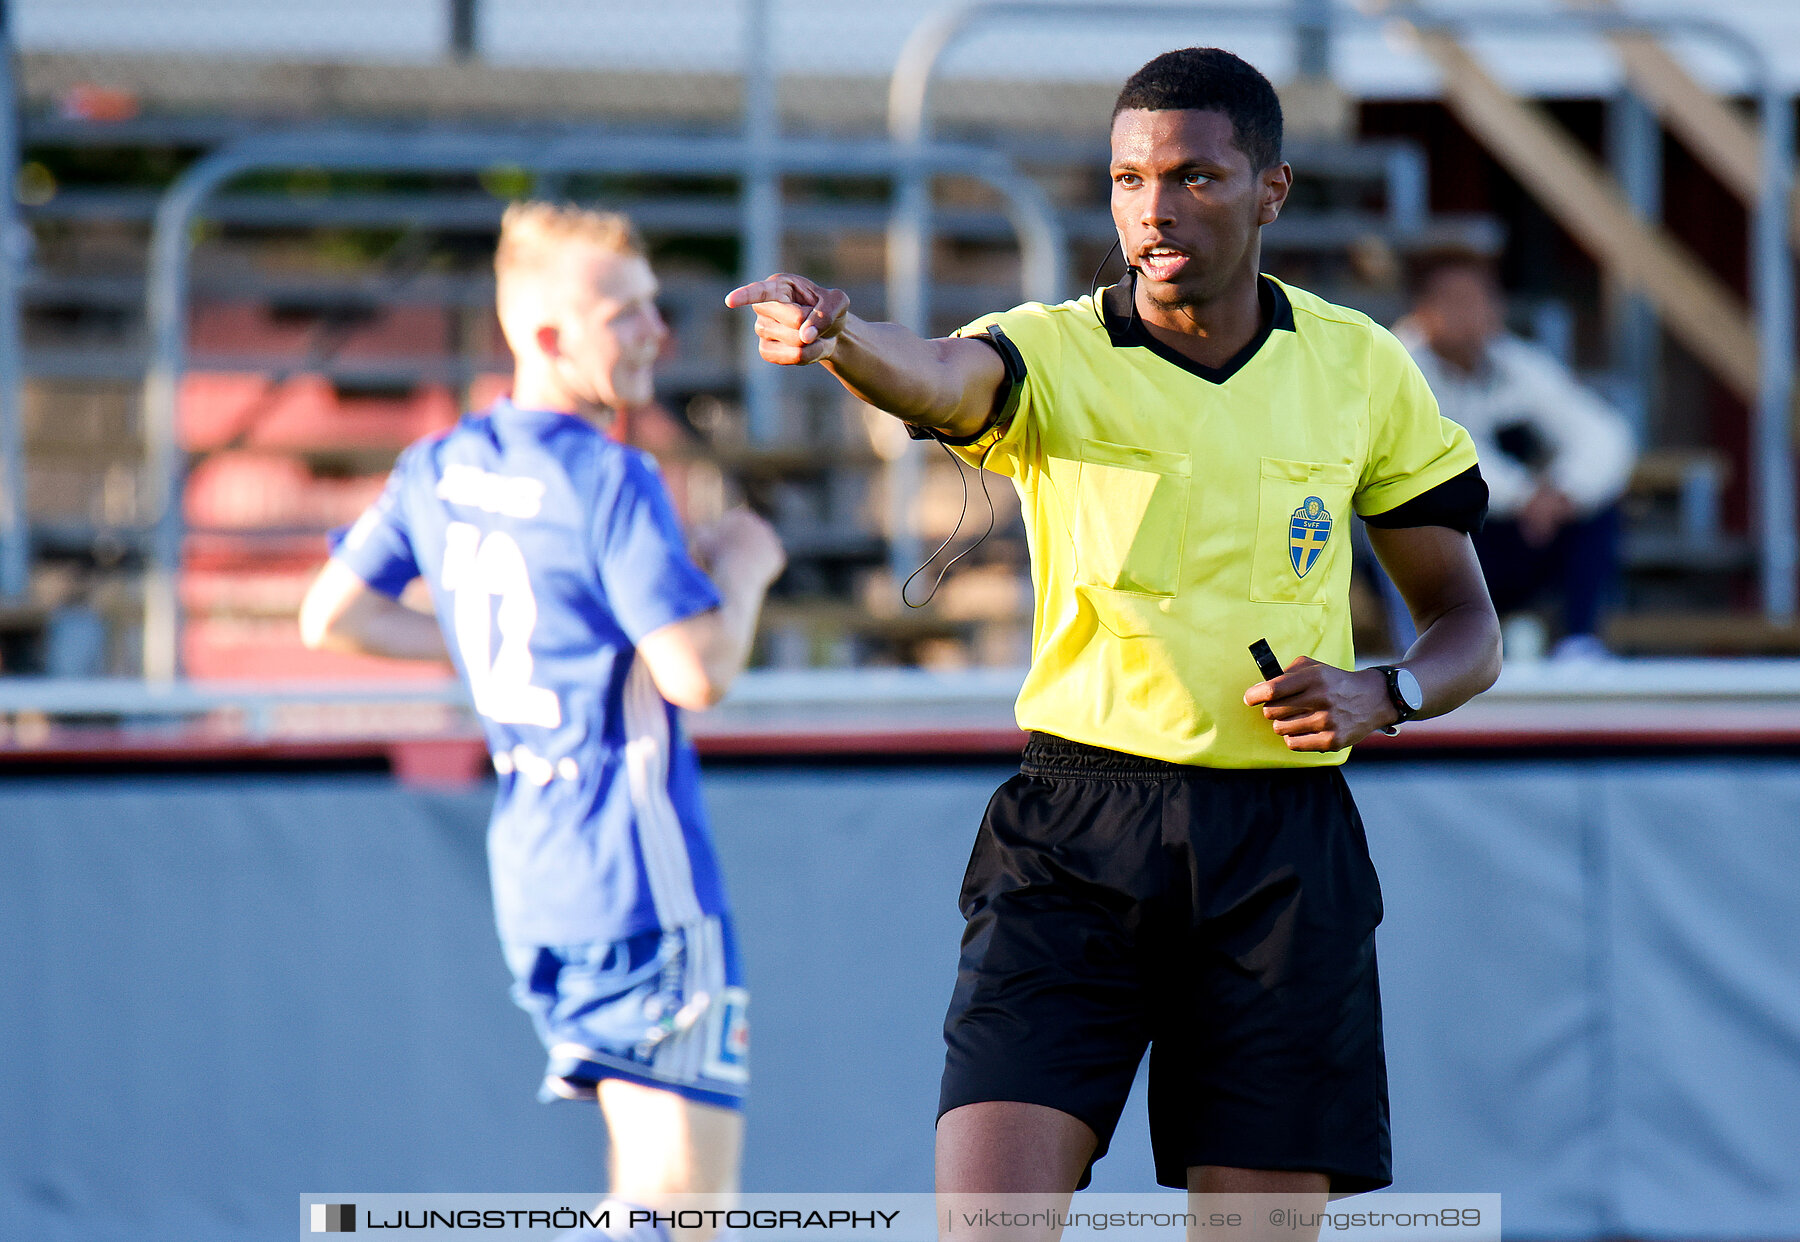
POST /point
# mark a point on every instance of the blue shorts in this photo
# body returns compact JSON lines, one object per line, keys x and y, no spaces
{"x":666,"y":1008}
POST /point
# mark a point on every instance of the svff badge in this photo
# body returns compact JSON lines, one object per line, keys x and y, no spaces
{"x":1309,"y":530}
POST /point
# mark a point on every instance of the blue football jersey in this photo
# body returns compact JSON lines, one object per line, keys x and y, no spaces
{"x":550,"y":551}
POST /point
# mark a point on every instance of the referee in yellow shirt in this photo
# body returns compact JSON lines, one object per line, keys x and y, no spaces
{"x":1178,"y":864}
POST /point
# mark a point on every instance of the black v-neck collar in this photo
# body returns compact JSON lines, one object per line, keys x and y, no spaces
{"x":1127,"y":330}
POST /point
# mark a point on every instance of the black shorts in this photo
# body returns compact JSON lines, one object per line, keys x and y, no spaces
{"x":1224,"y":918}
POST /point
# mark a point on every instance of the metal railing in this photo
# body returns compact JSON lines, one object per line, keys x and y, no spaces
{"x":869,"y":698}
{"x":15,"y":533}
{"x":1042,"y":255}
{"x":130,"y":704}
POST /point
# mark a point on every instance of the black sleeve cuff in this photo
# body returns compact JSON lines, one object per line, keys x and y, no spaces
{"x":1006,"y":397}
{"x":1459,"y":503}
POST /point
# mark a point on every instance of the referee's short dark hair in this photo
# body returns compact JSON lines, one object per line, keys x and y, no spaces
{"x":1210,"y":79}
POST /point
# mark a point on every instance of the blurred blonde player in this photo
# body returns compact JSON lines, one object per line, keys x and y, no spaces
{"x":565,"y":595}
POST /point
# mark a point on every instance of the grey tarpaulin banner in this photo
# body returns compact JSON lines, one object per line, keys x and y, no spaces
{"x":223,"y":992}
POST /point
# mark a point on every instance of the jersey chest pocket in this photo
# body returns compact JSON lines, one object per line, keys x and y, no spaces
{"x":1302,"y":529}
{"x":1130,"y":518}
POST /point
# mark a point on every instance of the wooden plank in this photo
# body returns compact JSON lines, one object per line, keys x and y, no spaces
{"x":1687,"y":633}
{"x":1712,"y":129}
{"x":1719,"y":136}
{"x":1695,"y":305}
{"x":1668,"y":469}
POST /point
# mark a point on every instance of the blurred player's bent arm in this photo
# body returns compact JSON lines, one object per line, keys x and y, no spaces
{"x":342,"y":613}
{"x":693,"y":661}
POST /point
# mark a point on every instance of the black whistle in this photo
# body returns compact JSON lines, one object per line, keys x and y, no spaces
{"x":1266,"y":663}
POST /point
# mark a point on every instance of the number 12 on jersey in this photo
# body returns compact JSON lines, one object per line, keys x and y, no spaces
{"x":476,"y":569}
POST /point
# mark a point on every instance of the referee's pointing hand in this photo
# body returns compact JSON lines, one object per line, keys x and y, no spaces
{"x":797,"y":322}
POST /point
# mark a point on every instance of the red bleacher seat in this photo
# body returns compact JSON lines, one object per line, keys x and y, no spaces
{"x":304,"y":413}
{"x":256,"y":328}
{"x":248,"y":491}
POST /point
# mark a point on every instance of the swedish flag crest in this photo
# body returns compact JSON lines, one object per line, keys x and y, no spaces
{"x":1309,"y":530}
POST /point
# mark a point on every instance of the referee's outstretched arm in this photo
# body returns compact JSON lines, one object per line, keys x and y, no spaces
{"x":948,"y":384}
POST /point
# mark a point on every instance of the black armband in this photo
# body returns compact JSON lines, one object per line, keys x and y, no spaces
{"x":1460,"y":503}
{"x":1006,"y":397}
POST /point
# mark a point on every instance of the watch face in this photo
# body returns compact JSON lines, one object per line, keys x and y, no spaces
{"x":1410,"y":692}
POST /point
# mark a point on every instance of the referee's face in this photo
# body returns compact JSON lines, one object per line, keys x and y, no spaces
{"x":1187,"y":203}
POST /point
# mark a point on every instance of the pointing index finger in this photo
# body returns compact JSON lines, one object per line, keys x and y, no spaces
{"x":775,"y":289}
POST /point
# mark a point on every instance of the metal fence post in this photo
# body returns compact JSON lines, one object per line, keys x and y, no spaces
{"x":1312,"y":39}
{"x":760,"y":239}
{"x":1634,"y":149}
{"x":909,"y":127}
{"x":908,"y":285}
{"x":165,"y":463}
{"x":463,"y":29}
{"x":909,"y":247}
{"x":1772,"y":295}
{"x":15,"y":531}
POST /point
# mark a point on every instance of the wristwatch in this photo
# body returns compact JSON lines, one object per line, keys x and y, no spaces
{"x":1405,"y":694}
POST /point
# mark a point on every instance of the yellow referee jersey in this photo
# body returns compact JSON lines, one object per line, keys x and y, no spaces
{"x":1178,"y":512}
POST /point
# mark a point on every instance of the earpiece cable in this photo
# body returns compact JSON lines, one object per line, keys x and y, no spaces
{"x":981,"y":466}
{"x":1094,"y":286}
{"x":963,"y":478}
{"x":1094,"y":281}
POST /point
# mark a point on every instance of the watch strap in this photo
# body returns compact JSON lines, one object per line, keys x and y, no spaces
{"x":1405,"y":710}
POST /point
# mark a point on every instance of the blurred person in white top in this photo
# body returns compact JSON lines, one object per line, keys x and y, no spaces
{"x":1556,"y":457}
